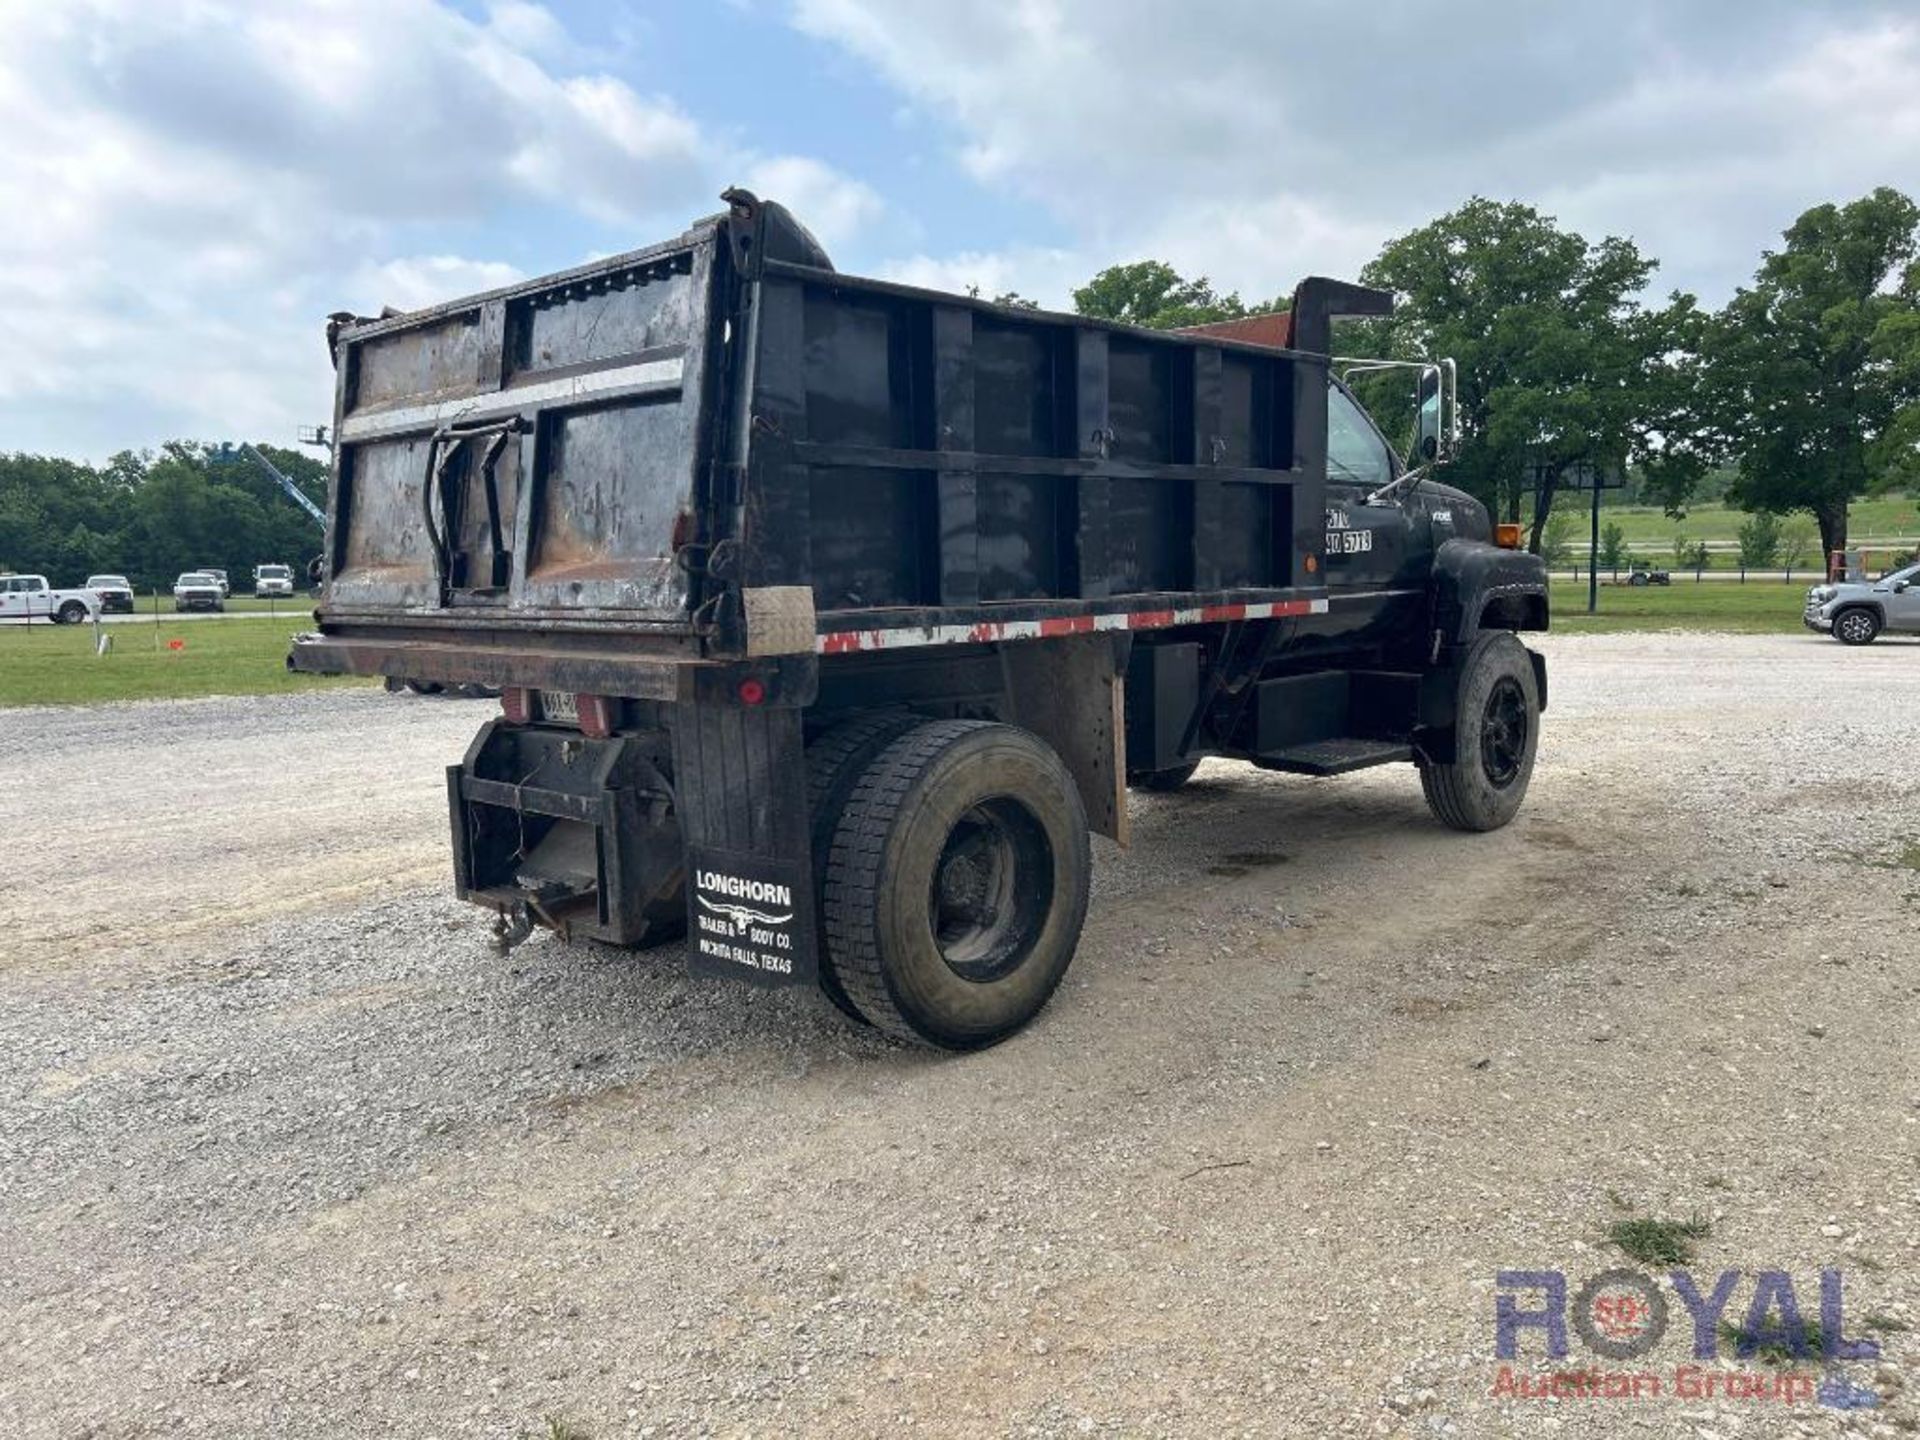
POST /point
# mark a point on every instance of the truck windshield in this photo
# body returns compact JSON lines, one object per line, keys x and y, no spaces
{"x":1355,"y":450}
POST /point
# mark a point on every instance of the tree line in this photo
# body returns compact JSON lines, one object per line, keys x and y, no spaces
{"x":152,"y":514}
{"x":1799,"y":395}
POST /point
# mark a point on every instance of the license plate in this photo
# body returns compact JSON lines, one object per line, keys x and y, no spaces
{"x":560,"y":706}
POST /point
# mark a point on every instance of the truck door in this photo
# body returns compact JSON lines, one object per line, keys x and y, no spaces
{"x":13,"y":597}
{"x":1366,"y":545}
{"x":1903,"y":600}
{"x":33,"y":595}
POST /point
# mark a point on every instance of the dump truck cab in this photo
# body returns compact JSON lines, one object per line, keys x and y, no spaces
{"x":831,"y":616}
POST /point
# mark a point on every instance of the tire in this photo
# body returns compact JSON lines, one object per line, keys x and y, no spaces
{"x":72,"y":613}
{"x":424,"y":687}
{"x":1638,"y":580}
{"x":1856,"y":626}
{"x":834,"y":763}
{"x":1496,"y":732}
{"x":1163,"y":782}
{"x":944,"y":814}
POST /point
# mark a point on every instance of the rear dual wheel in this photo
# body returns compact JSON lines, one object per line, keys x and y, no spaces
{"x":955,"y":883}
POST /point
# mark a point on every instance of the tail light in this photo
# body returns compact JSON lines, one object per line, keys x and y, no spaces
{"x":1507,"y":537}
{"x":517,"y":705}
{"x":596,"y":716}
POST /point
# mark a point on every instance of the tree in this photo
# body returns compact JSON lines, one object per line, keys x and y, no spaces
{"x":1796,"y":541}
{"x":1759,"y":540}
{"x":1690,"y":554}
{"x":1153,"y":293}
{"x":1561,"y":364}
{"x":1814,"y":370}
{"x":1556,"y":537}
{"x":1012,"y":298}
{"x":1613,"y":547}
{"x":151,"y":516}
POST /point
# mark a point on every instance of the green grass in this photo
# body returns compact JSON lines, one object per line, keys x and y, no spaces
{"x":1776,"y":1351}
{"x":1756,"y":608}
{"x":1649,"y":530}
{"x":55,"y":664}
{"x":1659,"y":1242}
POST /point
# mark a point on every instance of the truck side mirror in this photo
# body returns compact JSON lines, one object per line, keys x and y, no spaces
{"x":1427,"y":441}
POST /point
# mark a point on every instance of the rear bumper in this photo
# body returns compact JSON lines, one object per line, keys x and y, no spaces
{"x":537,"y":661}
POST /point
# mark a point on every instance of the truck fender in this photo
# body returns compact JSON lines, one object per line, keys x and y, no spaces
{"x":1071,"y":693}
{"x":1476,"y":586}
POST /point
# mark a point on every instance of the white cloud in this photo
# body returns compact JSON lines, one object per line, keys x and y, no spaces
{"x":416,"y":281}
{"x":1038,"y":273}
{"x":1256,"y":141}
{"x":833,"y":206}
{"x":190,"y":187}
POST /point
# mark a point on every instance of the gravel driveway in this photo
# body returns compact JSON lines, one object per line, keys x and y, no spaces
{"x":284,"y":1150}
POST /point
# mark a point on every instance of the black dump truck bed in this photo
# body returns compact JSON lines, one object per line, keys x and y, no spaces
{"x":721,"y":447}
{"x":831,"y":616}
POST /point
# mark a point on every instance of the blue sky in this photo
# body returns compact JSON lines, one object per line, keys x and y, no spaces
{"x":190,"y":186}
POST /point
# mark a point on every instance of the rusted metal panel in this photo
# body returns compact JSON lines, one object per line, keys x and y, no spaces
{"x":534,"y":452}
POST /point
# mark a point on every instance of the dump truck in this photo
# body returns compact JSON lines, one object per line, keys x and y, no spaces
{"x":831,"y":616}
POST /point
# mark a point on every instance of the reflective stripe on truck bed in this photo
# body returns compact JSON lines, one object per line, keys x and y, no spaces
{"x":841,"y":642}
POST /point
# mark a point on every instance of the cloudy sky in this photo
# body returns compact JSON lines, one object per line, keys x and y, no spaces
{"x":187,"y":187}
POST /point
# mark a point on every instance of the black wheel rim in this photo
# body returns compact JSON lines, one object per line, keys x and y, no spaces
{"x":1503,"y":733}
{"x":991,"y":891}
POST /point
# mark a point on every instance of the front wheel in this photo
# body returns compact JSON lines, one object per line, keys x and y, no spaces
{"x":1856,"y":627}
{"x":956,"y":883}
{"x":1496,"y":731}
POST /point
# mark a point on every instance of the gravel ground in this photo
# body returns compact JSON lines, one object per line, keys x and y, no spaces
{"x":285,"y":1150}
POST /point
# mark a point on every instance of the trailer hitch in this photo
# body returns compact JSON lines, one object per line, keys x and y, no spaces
{"x":511,"y":925}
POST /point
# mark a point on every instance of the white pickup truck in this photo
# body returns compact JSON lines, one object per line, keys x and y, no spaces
{"x":30,"y":597}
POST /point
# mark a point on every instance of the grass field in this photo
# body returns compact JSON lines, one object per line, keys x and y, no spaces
{"x":1650,"y":531}
{"x":1753,"y":609}
{"x":55,"y":664}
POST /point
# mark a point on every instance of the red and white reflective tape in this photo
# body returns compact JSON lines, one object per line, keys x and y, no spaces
{"x":843,"y":642}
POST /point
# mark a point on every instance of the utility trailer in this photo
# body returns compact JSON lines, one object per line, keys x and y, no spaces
{"x":831,"y":615}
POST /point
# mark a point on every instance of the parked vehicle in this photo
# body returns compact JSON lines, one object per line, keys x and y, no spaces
{"x":198,"y":590}
{"x":31,"y":597}
{"x":1641,"y":577}
{"x":219,"y":577}
{"x":831,"y":615}
{"x":276,"y":580}
{"x":116,"y":595}
{"x":1855,"y":612}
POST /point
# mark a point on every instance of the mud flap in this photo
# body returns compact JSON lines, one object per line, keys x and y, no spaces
{"x":741,"y":778}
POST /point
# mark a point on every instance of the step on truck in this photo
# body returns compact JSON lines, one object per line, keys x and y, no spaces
{"x":831,"y":615}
